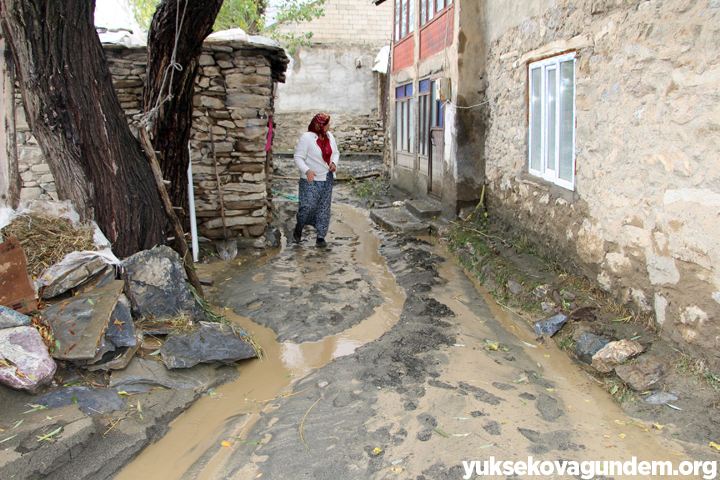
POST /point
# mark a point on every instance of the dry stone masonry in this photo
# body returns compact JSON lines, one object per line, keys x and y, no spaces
{"x":234,"y":95}
{"x":643,"y":219}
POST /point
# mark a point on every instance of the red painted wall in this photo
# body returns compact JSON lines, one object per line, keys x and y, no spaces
{"x":437,"y":34}
{"x":404,"y":53}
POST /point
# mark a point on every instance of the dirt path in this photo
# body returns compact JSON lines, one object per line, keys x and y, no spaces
{"x":389,"y":362}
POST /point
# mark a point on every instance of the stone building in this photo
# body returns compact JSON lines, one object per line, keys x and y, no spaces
{"x":593,"y":126}
{"x":335,"y":75}
{"x":234,"y":93}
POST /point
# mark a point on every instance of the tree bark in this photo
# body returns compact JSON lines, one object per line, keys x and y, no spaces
{"x":173,"y":88}
{"x":76,"y":118}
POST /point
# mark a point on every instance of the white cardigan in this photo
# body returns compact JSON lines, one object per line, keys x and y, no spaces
{"x":308,"y":156}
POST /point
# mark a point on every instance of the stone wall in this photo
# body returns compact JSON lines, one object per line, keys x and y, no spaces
{"x":349,"y":21}
{"x":643,"y":219}
{"x":235,"y":93}
{"x":335,"y":75}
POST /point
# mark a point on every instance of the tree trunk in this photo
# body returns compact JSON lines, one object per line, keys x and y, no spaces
{"x":171,"y":89}
{"x":76,"y":118}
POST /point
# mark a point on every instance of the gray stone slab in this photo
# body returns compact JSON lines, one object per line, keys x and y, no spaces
{"x":422,"y":209}
{"x":74,"y":277}
{"x":143,"y":374}
{"x":91,"y":400}
{"x":550,"y":325}
{"x":157,"y":284}
{"x":10,"y":318}
{"x":121,"y":329}
{"x":207,"y":343}
{"x":79,"y":324}
{"x":398,"y":219}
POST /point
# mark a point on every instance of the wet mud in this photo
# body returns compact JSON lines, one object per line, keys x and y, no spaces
{"x":432,"y":373}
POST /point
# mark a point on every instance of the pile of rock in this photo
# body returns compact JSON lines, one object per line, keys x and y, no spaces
{"x":640,"y":371}
{"x":142,"y":329}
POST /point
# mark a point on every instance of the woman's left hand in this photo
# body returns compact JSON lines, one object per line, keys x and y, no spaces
{"x":332,"y":167}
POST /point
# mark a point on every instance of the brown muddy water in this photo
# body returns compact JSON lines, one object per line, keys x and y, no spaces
{"x":195,"y":432}
{"x":193,"y":447}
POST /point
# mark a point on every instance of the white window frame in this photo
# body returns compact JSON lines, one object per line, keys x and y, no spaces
{"x":549,"y":168}
{"x":405,"y":121}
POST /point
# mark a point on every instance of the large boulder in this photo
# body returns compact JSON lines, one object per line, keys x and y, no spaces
{"x":24,"y":360}
{"x":157,"y":284}
{"x":208,"y":343}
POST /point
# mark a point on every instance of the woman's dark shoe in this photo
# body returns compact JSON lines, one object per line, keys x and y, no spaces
{"x":297,"y":236}
{"x":321,"y":242}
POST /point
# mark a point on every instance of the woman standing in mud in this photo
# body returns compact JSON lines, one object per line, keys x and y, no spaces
{"x":316,"y":156}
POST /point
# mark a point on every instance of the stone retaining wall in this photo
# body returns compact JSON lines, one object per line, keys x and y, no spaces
{"x":235,"y":94}
{"x":353,"y":133}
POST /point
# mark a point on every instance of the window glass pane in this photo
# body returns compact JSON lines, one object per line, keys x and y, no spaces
{"x":433,"y":104}
{"x":449,"y":2}
{"x":411,"y":16}
{"x":397,"y":20}
{"x":551,"y":118}
{"x":408,"y":90}
{"x":439,"y":5}
{"x":431,"y":9}
{"x":424,"y":86}
{"x":423,"y":12}
{"x":411,"y":125}
{"x":403,"y":18}
{"x":536,"y":118}
{"x":405,"y":125}
{"x":400,"y":92}
{"x":567,"y":96}
{"x":398,"y":125}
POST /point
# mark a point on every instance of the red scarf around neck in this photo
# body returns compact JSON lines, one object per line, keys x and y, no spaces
{"x":316,"y":126}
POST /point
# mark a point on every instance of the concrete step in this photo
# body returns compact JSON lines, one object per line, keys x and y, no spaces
{"x":398,"y":219}
{"x":422,"y":209}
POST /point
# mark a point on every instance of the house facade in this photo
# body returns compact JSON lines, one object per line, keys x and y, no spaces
{"x":335,"y":75}
{"x":593,"y":126}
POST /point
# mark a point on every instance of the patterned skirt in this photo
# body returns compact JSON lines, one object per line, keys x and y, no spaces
{"x":315,"y":202}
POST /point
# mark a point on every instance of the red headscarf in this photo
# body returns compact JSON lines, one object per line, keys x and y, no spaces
{"x":316,"y":126}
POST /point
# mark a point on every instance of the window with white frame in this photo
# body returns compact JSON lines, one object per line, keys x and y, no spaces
{"x":551,"y":150}
{"x":424,"y":113}
{"x":404,"y":118}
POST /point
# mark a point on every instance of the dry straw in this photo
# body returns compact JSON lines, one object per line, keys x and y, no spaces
{"x":46,"y":240}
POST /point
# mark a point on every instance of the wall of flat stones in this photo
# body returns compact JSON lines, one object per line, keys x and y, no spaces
{"x":643,"y":220}
{"x":353,"y":133}
{"x":234,"y":93}
{"x":336,"y":79}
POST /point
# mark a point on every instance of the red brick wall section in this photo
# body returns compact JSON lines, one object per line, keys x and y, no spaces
{"x":434,"y":37}
{"x":403,"y":53}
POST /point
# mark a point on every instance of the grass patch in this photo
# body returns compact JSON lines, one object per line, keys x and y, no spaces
{"x":370,"y":189}
{"x":696,"y":367}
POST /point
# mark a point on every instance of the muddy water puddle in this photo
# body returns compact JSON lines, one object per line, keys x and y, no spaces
{"x":194,"y":447}
{"x":589,"y":412}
